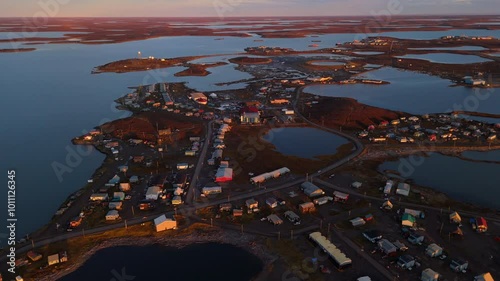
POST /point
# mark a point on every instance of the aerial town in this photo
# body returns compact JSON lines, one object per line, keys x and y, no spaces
{"x":317,"y":186}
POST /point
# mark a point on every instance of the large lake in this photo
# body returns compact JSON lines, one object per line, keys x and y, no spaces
{"x":198,"y":262}
{"x":467,"y":181}
{"x":412,"y":92}
{"x":304,"y":142}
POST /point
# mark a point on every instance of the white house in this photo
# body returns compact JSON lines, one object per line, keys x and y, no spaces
{"x":429,"y":275}
{"x":112,"y":215}
{"x":153,"y":192}
{"x":403,"y":189}
{"x":163,"y":223}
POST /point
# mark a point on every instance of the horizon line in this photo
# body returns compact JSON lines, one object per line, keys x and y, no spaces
{"x":257,"y":16}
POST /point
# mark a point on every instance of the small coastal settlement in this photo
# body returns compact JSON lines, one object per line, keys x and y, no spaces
{"x":185,"y":157}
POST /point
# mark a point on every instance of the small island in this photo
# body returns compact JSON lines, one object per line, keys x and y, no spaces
{"x":198,"y":69}
{"x":17,"y":50}
{"x":250,"y":60}
{"x":141,"y":64}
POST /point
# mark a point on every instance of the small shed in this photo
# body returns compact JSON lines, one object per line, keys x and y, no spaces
{"x":408,"y":220}
{"x":63,"y":256}
{"x":237,"y":212}
{"x":99,"y":197}
{"x":372,"y":235}
{"x":225,"y":207}
{"x":115,"y":205}
{"x":112,"y":215}
{"x":119,"y":196}
{"x":271,"y":202}
{"x":433,"y":250}
{"x":429,"y":275}
{"x":481,"y":224}
{"x":406,"y":261}
{"x":274,"y":219}
{"x":387,"y":205}
{"x":125,"y":186}
{"x":114,"y":180}
{"x":387,"y":247}
{"x":207,"y":190}
{"x":455,"y":218}
{"x":53,"y":259}
{"x":306,"y":207}
{"x":403,"y":189}
{"x":416,"y":238}
{"x":134,"y":179}
{"x":459,"y":265}
{"x":251,"y":204}
{"x":176,"y":200}
{"x":357,"y":221}
{"x":163,"y":223}
{"x":388,"y":187}
{"x":34,"y":256}
{"x":153,"y":192}
{"x":340,"y":197}
{"x":484,"y":277}
{"x":356,"y":184}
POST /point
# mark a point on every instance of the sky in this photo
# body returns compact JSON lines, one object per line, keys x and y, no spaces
{"x":238,"y":8}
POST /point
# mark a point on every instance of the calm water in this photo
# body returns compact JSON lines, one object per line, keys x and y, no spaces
{"x":426,"y":35}
{"x":483,"y":156}
{"x":368,"y":53}
{"x":447,"y":58}
{"x":304,"y":142}
{"x":461,"y":48}
{"x":412,"y":92}
{"x":462,"y":180}
{"x":199,"y":262}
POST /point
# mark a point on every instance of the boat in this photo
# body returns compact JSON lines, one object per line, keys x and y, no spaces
{"x":314,"y":45}
{"x":316,"y":41}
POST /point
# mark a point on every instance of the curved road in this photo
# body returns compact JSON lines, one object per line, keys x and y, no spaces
{"x":358,"y":145}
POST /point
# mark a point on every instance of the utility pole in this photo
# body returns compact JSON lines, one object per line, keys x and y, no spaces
{"x":133,"y":213}
{"x":279,"y":235}
{"x":126,"y":224}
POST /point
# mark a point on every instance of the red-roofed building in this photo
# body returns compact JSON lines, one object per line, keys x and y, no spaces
{"x":481,"y":225}
{"x":249,"y":115}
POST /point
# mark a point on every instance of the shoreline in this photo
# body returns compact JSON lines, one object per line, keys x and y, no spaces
{"x":216,"y":235}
